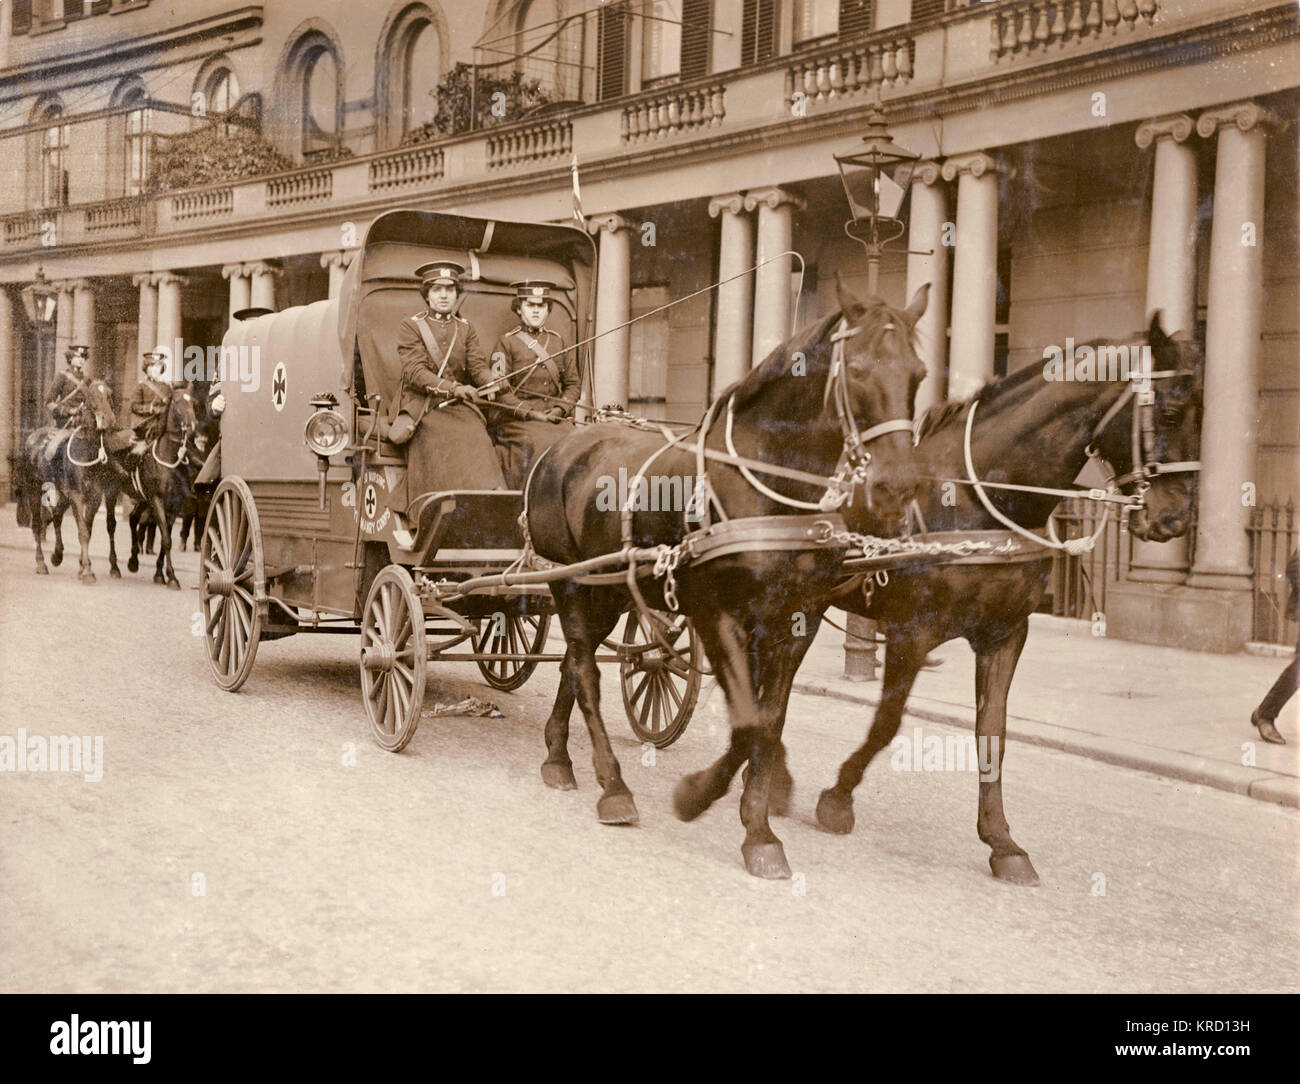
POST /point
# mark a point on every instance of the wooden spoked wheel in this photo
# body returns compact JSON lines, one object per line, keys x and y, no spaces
{"x":510,"y":634}
{"x":232,"y":583}
{"x":660,"y":687}
{"x":394,"y":657}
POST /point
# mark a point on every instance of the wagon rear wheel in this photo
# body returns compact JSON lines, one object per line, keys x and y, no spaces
{"x":393,"y":658}
{"x":660,"y":687}
{"x":232,"y":583}
{"x":511,"y":634}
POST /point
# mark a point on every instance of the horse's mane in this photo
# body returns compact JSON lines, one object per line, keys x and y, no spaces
{"x":990,"y":394}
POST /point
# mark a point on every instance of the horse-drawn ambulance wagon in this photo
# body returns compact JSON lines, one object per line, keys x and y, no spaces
{"x":315,"y":525}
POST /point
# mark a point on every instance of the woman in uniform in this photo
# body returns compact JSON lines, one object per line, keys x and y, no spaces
{"x":535,"y":372}
{"x":442,"y":363}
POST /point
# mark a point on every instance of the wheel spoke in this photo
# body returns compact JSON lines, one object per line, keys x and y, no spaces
{"x":676,"y":696}
{"x":403,"y":697}
{"x":640,"y":689}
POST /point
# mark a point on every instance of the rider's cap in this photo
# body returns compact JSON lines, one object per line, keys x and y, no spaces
{"x":152,"y":356}
{"x":534,"y":290}
{"x":440,"y":273}
{"x":78,"y":353}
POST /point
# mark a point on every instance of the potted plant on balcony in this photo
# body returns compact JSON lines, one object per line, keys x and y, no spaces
{"x":464,"y":107}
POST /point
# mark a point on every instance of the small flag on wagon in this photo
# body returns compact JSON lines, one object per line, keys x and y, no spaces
{"x":578,"y":216}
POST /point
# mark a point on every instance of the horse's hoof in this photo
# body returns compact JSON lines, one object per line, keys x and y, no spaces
{"x":158,"y":578}
{"x":616,"y":809}
{"x":1015,"y":869}
{"x":115,"y":572}
{"x":173,"y":585}
{"x":132,"y":565}
{"x":56,"y":558}
{"x":41,"y":570}
{"x":1267,"y":731}
{"x":766,"y":860}
{"x":835,"y":812}
{"x":691,"y":796}
{"x":559,"y":776}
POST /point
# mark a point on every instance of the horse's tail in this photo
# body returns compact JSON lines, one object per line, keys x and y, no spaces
{"x":21,"y":486}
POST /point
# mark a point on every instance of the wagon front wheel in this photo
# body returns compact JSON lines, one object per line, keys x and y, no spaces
{"x":232,"y":583}
{"x":393,"y":658}
{"x":660,"y":687}
{"x":511,"y":634}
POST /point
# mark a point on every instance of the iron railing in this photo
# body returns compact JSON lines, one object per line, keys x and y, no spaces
{"x":1272,"y":534}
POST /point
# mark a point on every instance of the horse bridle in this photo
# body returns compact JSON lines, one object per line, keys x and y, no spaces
{"x":182,"y":444}
{"x":1142,"y":437}
{"x":851,"y":470}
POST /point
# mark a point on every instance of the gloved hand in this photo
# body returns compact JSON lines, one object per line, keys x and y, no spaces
{"x":467,"y":392}
{"x":555,"y":414}
{"x":218,"y":404}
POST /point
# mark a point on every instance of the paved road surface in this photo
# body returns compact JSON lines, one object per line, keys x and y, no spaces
{"x":328,"y":864}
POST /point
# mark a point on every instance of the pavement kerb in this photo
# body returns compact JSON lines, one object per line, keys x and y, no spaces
{"x":1258,"y":783}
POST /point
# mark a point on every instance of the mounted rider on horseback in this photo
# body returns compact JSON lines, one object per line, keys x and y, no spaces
{"x":67,"y":396}
{"x":149,"y":404}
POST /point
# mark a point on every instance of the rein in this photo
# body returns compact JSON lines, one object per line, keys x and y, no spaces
{"x":102,"y":457}
{"x":1145,"y":466}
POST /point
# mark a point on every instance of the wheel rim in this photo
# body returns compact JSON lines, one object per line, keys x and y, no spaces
{"x":519,"y":634}
{"x":393,"y":658}
{"x":230,"y":580}
{"x":660,"y":688}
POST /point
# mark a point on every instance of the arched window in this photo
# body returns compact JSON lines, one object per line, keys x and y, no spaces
{"x":320,"y":104}
{"x":137,"y":140}
{"x":421,"y":73}
{"x":54,"y":153}
{"x":549,"y":45}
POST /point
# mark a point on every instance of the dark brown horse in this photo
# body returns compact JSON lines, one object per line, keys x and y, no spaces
{"x":797,"y":413}
{"x":156,"y":481}
{"x":1027,"y":432}
{"x":71,"y":467}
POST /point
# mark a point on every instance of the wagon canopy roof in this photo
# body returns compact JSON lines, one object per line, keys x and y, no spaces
{"x":381,"y":288}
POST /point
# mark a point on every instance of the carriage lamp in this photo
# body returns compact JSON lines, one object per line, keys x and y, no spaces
{"x":40,"y":299}
{"x":326,"y":434}
{"x":875,"y":176}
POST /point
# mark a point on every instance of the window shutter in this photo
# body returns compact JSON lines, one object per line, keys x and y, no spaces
{"x":857,"y":17}
{"x":100,"y":7}
{"x":612,"y":62}
{"x":696,"y":31}
{"x":925,"y":9}
{"x":22,"y":16}
{"x":758,"y":31}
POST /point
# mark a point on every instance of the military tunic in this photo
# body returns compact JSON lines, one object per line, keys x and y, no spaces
{"x":65,"y":384}
{"x":535,"y":387}
{"x":451,"y":448}
{"x":147,"y":407}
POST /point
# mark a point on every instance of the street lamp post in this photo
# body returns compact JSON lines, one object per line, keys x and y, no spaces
{"x":875,"y":176}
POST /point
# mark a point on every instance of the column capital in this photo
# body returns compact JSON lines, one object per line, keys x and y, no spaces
{"x":610,"y":223}
{"x":144,"y":278}
{"x":262,"y":267}
{"x":773,"y":197}
{"x":1245,"y":115}
{"x":77,"y":284}
{"x":927,"y":171}
{"x":733,"y":203}
{"x":230,"y":270}
{"x":976,"y":163}
{"x":342,"y":258}
{"x":1177,"y":126}
{"x":169,"y":278}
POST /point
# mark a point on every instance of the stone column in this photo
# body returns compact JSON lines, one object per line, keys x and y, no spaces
{"x":63,"y":322}
{"x":6,"y":32}
{"x":772,"y":279}
{"x":974,"y":272}
{"x":83,"y":320}
{"x":263,"y":290}
{"x":169,"y":318}
{"x":929,"y":213}
{"x":1232,"y":347}
{"x":731,"y":349}
{"x":10,"y":357}
{"x":146,"y":336}
{"x":338,"y":264}
{"x":1171,"y":287}
{"x":240,"y":292}
{"x":613,"y":309}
